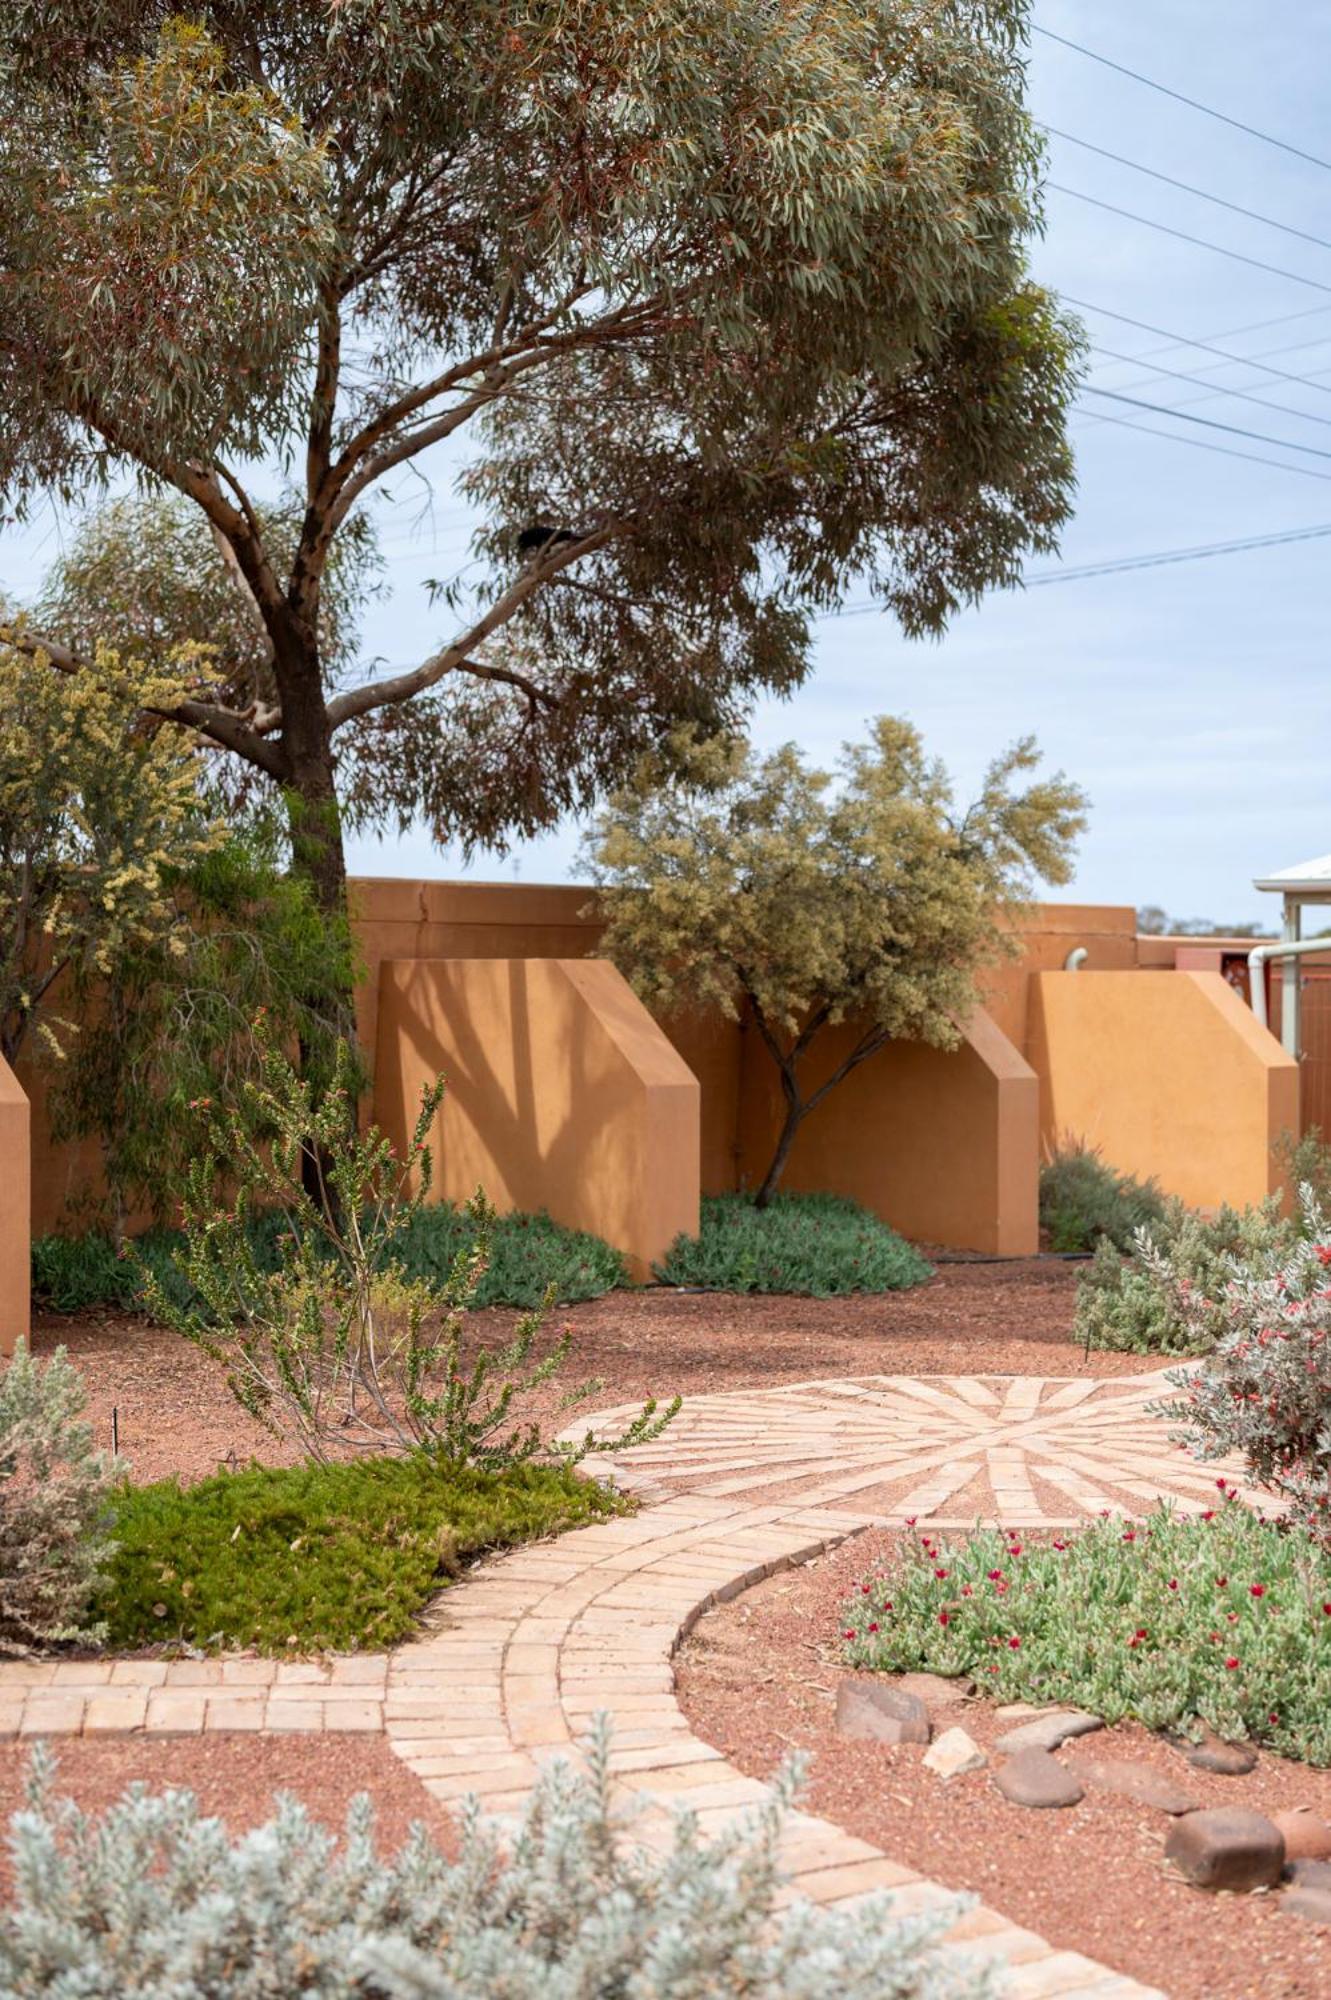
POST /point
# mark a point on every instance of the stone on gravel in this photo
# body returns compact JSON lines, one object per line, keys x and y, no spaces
{"x":1128,"y":1779}
{"x":1035,"y":1778}
{"x":1212,"y":1753}
{"x":1309,"y":1874}
{"x":1313,"y":1905}
{"x":953,"y":1753}
{"x":1307,"y":1838}
{"x":934,"y":1690}
{"x":1046,"y":1732}
{"x":1018,"y":1711}
{"x":877,"y":1712}
{"x":1226,"y":1847}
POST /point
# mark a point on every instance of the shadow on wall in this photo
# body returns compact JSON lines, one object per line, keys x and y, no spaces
{"x":15,"y":1211}
{"x":563,"y":1093}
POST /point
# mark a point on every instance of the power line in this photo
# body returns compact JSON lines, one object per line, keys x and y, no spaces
{"x":1201,"y":242}
{"x":1203,"y":194}
{"x":1210,"y":423}
{"x":1115,"y":566}
{"x":1193,"y":103}
{"x":1242,"y":395}
{"x":1181,"y":340}
{"x":1203,"y":444}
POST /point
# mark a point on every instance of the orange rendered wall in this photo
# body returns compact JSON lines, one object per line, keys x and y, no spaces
{"x":14,"y":1211}
{"x":1171,"y":1077}
{"x":563,"y":1093}
{"x":944,"y":1146}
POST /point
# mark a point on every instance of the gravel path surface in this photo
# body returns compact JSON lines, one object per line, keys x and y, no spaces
{"x":1013,"y":1318}
{"x":757,"y":1679}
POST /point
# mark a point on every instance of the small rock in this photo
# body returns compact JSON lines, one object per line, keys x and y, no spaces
{"x":1313,"y":1905}
{"x":1226,"y":1847}
{"x":934,"y":1690}
{"x":1309,"y":1874}
{"x":1046,"y":1732}
{"x":1307,"y":1838}
{"x":954,"y":1752}
{"x":1017,"y":1711}
{"x":1126,"y":1779}
{"x":1212,"y":1753}
{"x":1034,"y":1778}
{"x":876,"y":1712}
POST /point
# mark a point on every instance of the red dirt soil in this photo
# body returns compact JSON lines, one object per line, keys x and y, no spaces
{"x":758,"y":1679}
{"x":1012,"y":1318}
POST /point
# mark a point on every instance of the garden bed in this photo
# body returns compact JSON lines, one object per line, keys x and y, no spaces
{"x":177,"y":1416}
{"x":758,"y":1679}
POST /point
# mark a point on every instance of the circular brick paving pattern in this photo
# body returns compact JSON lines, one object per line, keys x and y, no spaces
{"x":1027,"y":1450}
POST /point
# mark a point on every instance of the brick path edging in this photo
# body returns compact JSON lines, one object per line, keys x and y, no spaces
{"x":512,"y":1667}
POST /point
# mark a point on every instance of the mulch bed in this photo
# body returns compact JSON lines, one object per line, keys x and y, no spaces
{"x":758,"y":1678}
{"x":235,"y":1778}
{"x":1013,"y":1318}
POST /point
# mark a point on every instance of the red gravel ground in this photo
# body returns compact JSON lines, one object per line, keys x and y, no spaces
{"x":235,"y":1778}
{"x":758,"y":1678}
{"x":176,"y":1415}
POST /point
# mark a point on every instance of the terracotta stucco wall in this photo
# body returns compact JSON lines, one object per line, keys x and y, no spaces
{"x":562,"y":1093}
{"x":1168,"y":1076}
{"x":943,"y":1145}
{"x":1046,"y":934}
{"x":14,"y":1210}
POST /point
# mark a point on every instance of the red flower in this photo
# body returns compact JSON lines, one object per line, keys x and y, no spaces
{"x":1014,"y":1643}
{"x":864,"y":1590}
{"x":1221,"y":1484}
{"x":940,"y":1574}
{"x":1222,"y":1583}
{"x":945,"y":1617}
{"x":1326,"y":1608}
{"x":911,"y":1519}
{"x":1231,"y":1662}
{"x":873,"y":1628}
{"x":966,"y":1590}
{"x":1173,"y":1583}
{"x":1060,"y":1545}
{"x":850,"y":1635}
{"x":1209,"y":1515}
{"x":995,"y":1575}
{"x":1323,"y":1253}
{"x":1131,"y":1535}
{"x":1014,"y":1548}
{"x":1258,"y":1590}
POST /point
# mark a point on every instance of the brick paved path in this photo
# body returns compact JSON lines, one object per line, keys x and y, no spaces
{"x":515,"y":1660}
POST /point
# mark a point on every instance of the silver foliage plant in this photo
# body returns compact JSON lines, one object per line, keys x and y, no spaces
{"x":1265,"y":1392}
{"x":55,"y":1521}
{"x":154,"y":1899}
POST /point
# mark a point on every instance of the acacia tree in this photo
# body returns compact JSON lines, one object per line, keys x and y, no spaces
{"x":727,"y":300}
{"x":768,"y":889}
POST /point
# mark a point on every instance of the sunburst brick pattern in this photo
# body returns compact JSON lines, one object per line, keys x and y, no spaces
{"x":1030,"y":1451}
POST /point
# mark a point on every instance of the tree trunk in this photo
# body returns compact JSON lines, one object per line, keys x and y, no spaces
{"x":795,"y":1112}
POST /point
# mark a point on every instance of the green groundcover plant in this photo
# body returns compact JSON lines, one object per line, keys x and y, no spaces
{"x":1084,"y":1201}
{"x":528,"y":1255}
{"x":154,"y":1899}
{"x":1222,"y":1619}
{"x":316,"y":1557}
{"x":815,"y":1245}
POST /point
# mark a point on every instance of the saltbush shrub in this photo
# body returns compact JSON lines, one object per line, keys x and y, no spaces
{"x":529,"y":1255}
{"x":1132,"y":1304}
{"x":815,"y":1245}
{"x":1265,"y":1392}
{"x":1084,"y":1201}
{"x":153,"y":1899}
{"x":1223,"y":1619}
{"x":54,"y":1514}
{"x":319,"y":1557}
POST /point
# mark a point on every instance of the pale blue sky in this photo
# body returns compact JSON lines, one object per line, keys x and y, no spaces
{"x":1191,"y":700}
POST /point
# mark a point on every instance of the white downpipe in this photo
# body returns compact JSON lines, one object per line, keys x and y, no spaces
{"x":1076,"y":959}
{"x":1284,"y":948}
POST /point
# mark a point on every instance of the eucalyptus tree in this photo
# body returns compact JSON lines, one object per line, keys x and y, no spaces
{"x":803,"y":901}
{"x":723,"y":303}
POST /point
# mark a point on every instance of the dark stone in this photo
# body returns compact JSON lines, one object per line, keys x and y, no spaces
{"x":1046,"y":1732}
{"x":1126,"y":1779}
{"x":1309,"y":1874}
{"x":1226,"y":1847}
{"x":1034,"y":1778}
{"x":1313,"y":1905}
{"x":1212,"y":1753}
{"x":878,"y":1712}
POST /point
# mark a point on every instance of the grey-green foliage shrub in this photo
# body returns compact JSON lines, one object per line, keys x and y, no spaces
{"x":1084,"y":1201}
{"x":54,"y":1516}
{"x":155,"y":1900}
{"x":1126,"y":1303}
{"x":815,"y":1245}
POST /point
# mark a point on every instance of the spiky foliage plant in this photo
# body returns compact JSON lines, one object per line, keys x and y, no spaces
{"x":1133,"y":1303}
{"x":153,"y":1898}
{"x":336,"y":1343}
{"x":55,"y":1517}
{"x":1084,"y":1201}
